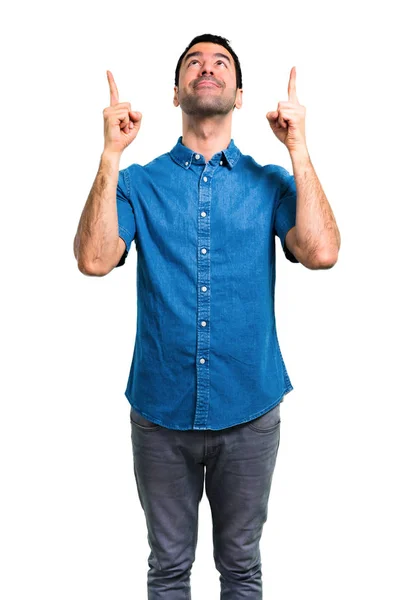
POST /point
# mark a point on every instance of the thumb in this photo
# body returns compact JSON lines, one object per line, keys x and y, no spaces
{"x":272,"y":116}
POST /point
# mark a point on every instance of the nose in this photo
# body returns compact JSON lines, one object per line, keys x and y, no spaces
{"x":207,"y":69}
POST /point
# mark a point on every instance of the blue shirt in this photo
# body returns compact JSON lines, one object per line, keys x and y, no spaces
{"x":206,"y":352}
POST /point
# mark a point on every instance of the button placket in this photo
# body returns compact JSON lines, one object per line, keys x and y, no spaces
{"x":203,"y":298}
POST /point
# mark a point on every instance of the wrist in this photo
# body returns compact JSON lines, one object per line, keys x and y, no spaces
{"x":110,"y":156}
{"x":300,"y":155}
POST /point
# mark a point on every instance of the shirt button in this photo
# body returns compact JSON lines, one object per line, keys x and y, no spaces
{"x":186,"y":163}
{"x":203,"y":214}
{"x":203,"y":251}
{"x":221,"y":162}
{"x":197,"y":156}
{"x":204,"y":288}
{"x":204,"y":178}
{"x":203,"y":323}
{"x":202,"y":360}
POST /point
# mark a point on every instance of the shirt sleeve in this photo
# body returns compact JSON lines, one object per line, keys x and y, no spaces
{"x":126,"y":215}
{"x":285,"y":213}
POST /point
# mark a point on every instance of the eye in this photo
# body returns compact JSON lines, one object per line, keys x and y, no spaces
{"x":195,"y":60}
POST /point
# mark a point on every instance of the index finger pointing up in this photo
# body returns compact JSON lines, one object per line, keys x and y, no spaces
{"x":114,"y":97}
{"x":292,"y":86}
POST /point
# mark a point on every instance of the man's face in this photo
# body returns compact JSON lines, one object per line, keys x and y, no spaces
{"x":212,"y":64}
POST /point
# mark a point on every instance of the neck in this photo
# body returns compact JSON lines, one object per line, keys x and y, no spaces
{"x":207,"y":136}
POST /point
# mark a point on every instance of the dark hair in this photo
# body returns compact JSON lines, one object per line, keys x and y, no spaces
{"x":215,"y":39}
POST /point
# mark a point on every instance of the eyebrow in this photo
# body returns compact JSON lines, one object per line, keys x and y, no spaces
{"x":197,"y":53}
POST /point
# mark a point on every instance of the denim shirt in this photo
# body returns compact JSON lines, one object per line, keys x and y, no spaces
{"x":206,"y":353}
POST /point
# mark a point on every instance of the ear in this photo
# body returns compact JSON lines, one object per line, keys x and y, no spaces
{"x":175,"y":100}
{"x":239,"y":99}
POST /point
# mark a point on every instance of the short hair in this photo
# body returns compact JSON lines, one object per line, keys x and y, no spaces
{"x":215,"y":39}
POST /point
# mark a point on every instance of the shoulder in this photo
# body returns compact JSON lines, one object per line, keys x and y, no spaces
{"x":249,"y":164}
{"x":275,"y":175}
{"x":280,"y":177}
{"x":272,"y":171}
{"x":138,"y":174}
{"x":277,"y":172}
{"x":161,"y":160}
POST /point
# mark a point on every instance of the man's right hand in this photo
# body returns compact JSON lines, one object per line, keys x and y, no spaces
{"x":121,"y":125}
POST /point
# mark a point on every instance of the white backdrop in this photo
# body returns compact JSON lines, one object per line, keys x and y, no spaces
{"x":71,"y":522}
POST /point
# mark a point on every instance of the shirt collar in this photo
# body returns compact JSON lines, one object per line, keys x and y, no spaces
{"x":184,"y":156}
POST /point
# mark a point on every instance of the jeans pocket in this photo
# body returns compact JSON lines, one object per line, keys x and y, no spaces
{"x":267,"y":422}
{"x":141,"y":422}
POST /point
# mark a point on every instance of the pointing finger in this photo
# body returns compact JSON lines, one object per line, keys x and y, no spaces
{"x":114,"y":96}
{"x":292,"y":86}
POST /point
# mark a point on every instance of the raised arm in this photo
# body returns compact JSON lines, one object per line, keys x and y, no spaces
{"x":97,"y":245}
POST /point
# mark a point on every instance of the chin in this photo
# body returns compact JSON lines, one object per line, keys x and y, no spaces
{"x":205,"y":107}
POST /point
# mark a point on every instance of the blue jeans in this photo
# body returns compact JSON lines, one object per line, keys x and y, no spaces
{"x":238,"y":464}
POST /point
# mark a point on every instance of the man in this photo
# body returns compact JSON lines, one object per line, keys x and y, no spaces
{"x":207,"y":374}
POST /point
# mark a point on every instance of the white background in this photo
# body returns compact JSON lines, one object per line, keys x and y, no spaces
{"x":71,"y":522}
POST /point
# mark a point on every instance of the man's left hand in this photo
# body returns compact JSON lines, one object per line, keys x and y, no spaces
{"x":288,"y":121}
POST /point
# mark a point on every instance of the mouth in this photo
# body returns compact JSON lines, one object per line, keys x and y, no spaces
{"x":206,"y":84}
